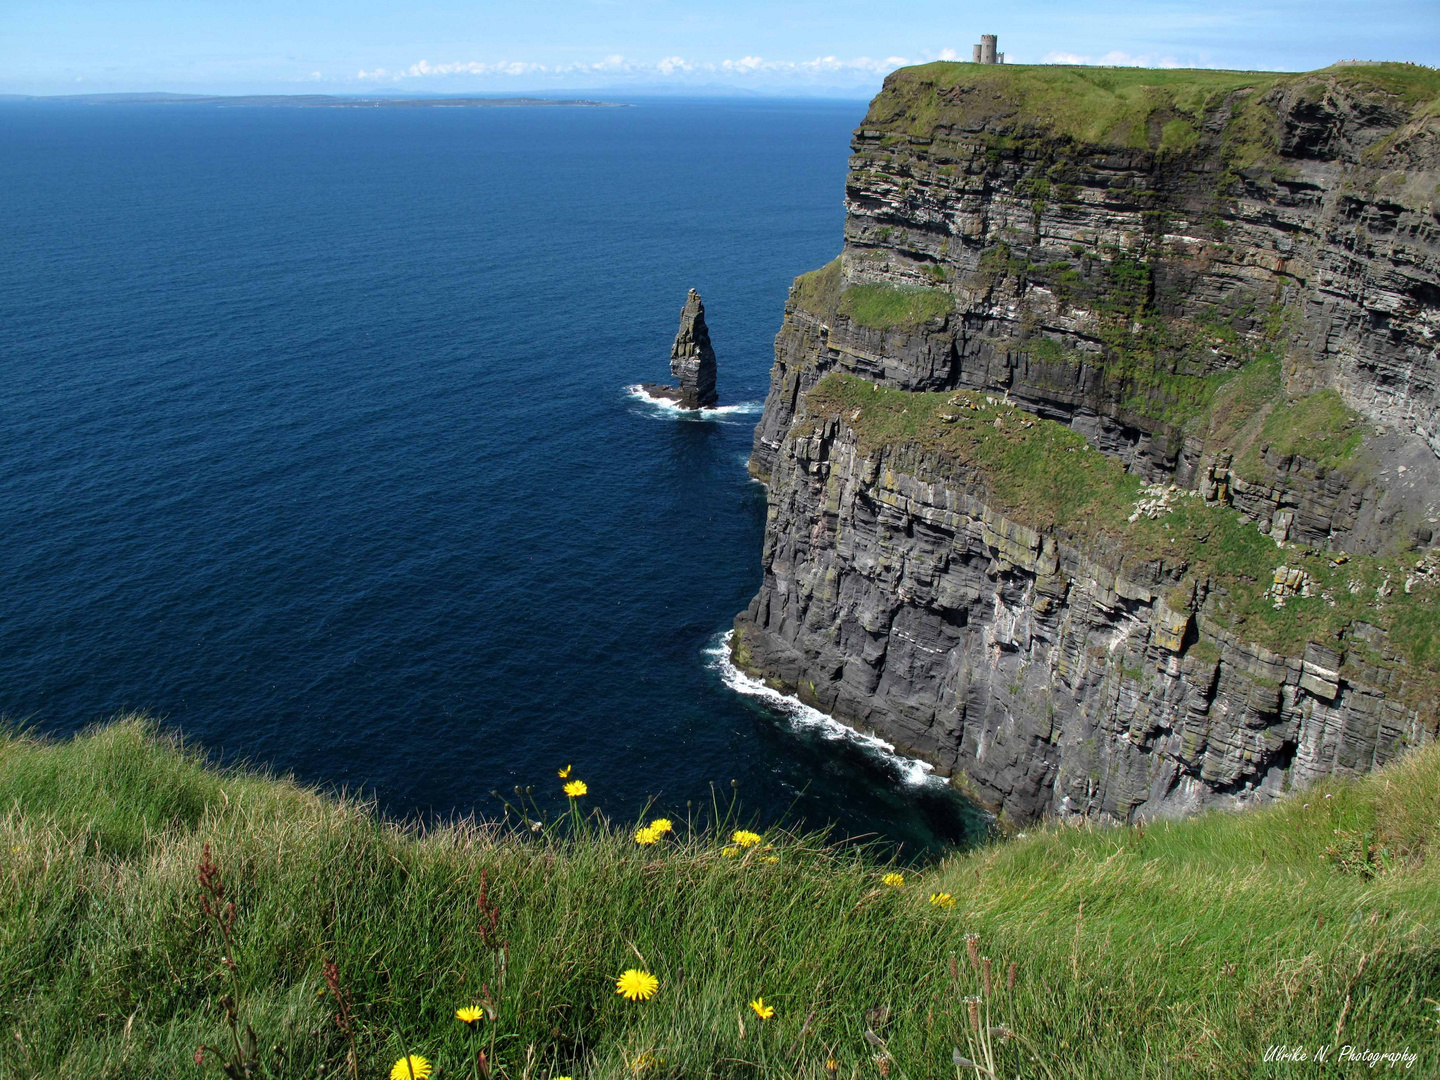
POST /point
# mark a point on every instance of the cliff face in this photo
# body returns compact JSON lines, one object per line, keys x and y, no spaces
{"x":1227,"y":284}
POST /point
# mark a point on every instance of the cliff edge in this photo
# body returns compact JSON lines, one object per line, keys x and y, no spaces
{"x":1103,"y":461}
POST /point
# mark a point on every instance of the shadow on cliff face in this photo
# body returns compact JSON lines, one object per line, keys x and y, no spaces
{"x":925,"y":820}
{"x":822,"y":764}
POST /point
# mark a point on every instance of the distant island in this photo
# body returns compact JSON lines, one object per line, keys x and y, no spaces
{"x":308,"y":101}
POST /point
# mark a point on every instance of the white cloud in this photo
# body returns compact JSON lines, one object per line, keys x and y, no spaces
{"x":670,"y":67}
{"x":744,"y":65}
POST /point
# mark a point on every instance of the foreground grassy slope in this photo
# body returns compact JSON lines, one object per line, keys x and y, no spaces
{"x":1174,"y":950}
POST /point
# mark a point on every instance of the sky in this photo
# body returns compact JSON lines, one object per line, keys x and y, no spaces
{"x":831,"y":47}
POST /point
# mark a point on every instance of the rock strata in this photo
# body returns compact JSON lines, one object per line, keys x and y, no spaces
{"x":692,"y":360}
{"x":1230,"y":288}
{"x":1054,"y":676}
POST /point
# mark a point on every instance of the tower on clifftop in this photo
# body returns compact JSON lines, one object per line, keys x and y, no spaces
{"x":985,"y":52}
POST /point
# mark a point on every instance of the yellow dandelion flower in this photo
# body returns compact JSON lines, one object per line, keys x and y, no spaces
{"x":730,"y":852}
{"x":414,"y":1066}
{"x":765,"y":1012}
{"x":565,"y":772}
{"x":576,"y":788}
{"x":895,"y":881}
{"x":647,"y":835}
{"x":636,"y":985}
{"x":771,"y":859}
{"x":662,"y":825}
{"x":470,"y":1013}
{"x":745,"y":838}
{"x":942,"y":899}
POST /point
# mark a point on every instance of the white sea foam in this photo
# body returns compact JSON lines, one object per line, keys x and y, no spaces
{"x":803,"y":718}
{"x":743,"y":408}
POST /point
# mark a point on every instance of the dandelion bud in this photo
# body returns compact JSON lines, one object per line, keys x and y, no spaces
{"x":985,"y":974}
{"x":1010,"y":975}
{"x":972,"y":949}
{"x":832,"y":1068}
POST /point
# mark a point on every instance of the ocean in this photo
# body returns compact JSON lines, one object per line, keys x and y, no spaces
{"x":318,"y":445}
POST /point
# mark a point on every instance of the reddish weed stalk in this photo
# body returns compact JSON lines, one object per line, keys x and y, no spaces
{"x":490,"y":938}
{"x":218,"y":915}
{"x":343,"y":1018}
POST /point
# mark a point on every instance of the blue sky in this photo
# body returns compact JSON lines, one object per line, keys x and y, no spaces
{"x":769,"y":46}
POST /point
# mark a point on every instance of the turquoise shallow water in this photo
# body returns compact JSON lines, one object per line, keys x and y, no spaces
{"x":317,"y":444}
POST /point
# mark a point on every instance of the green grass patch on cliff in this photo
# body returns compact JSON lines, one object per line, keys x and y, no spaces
{"x":1043,"y":475}
{"x":1176,"y":950}
{"x":1242,"y":404}
{"x":818,"y":292}
{"x":1137,"y":108}
{"x":1413,"y":83}
{"x":883,"y":306}
{"x":1099,"y":106}
{"x":1319,"y":427}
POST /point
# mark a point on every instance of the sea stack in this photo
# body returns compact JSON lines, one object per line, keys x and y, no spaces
{"x":692,"y":360}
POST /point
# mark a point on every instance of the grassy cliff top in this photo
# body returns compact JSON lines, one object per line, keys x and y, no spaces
{"x":1112,"y":106}
{"x":1045,"y":476}
{"x":1176,"y":949}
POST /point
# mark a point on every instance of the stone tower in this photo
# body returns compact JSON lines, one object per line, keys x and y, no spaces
{"x":985,"y":53}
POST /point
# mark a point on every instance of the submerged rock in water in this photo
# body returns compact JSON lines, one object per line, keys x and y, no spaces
{"x":692,"y":360}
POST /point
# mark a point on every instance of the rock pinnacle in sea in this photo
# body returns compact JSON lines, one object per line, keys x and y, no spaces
{"x":692,"y":360}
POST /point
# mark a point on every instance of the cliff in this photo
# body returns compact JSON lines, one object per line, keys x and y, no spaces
{"x":1119,"y":492}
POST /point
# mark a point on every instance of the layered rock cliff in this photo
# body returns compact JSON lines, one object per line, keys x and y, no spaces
{"x":1118,"y":492}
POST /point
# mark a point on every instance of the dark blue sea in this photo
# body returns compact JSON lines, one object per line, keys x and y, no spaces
{"x":316,"y":445}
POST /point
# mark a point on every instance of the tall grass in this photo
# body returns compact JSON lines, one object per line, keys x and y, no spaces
{"x":1169,"y":951}
{"x":882,"y":306}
